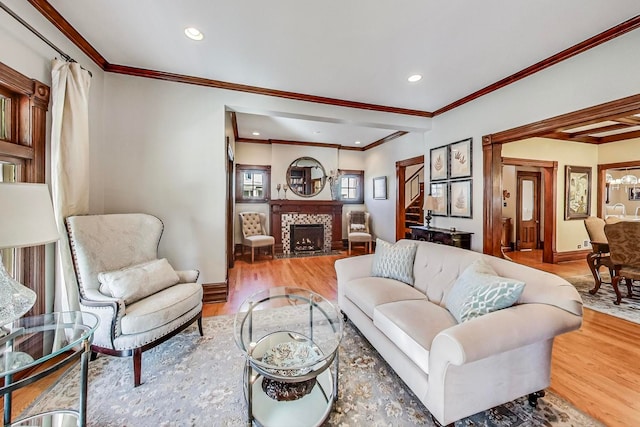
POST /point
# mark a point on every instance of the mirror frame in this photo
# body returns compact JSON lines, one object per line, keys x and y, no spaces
{"x":294,"y":190}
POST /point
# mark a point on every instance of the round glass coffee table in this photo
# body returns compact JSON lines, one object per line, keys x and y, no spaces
{"x":290,"y":338}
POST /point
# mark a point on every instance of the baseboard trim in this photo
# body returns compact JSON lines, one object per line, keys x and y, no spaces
{"x":570,"y":256}
{"x":215,"y":292}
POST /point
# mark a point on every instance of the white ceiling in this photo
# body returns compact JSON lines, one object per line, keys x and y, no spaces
{"x":356,"y":50}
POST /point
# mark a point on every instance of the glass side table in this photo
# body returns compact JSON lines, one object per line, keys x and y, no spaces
{"x":290,"y":339}
{"x":29,"y":342}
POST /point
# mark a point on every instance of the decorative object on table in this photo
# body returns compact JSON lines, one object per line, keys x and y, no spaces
{"x":26,"y":219}
{"x":440,"y":190}
{"x":430,"y":204}
{"x":279,"y":187}
{"x":577,"y":188}
{"x":128,"y":242}
{"x":285,"y":188}
{"x":380,"y":188}
{"x":460,"y":159}
{"x":438,"y":158}
{"x":369,"y":388}
{"x":460,"y":202}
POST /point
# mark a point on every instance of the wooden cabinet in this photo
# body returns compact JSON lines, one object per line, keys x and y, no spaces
{"x":460,"y":239}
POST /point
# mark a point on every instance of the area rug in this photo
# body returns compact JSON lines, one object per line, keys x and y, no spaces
{"x":602,"y":301}
{"x":197,"y":381}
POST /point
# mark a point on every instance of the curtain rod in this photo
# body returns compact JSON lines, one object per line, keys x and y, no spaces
{"x":40,"y":36}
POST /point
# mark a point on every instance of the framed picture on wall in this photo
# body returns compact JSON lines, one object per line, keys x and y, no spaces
{"x":440,"y":191}
{"x":460,"y":199}
{"x":439,"y":164}
{"x":460,"y":159}
{"x":577,"y":192}
{"x":380,"y":188}
{"x":634,"y":193}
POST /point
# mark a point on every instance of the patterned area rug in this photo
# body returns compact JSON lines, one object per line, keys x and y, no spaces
{"x":602,"y":301}
{"x":197,"y":381}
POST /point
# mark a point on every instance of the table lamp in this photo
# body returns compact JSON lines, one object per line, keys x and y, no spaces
{"x":26,"y":219}
{"x":430,"y":204}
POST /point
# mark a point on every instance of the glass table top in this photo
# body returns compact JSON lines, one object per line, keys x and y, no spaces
{"x":29,"y":341}
{"x":288,"y":332}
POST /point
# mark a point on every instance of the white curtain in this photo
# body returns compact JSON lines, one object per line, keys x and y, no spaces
{"x":69,"y":167}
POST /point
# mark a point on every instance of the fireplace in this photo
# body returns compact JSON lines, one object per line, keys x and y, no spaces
{"x":307,"y":238}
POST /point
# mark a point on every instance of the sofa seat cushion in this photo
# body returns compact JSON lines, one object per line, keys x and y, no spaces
{"x":161,"y":308}
{"x":368,"y":292}
{"x":412,"y":326}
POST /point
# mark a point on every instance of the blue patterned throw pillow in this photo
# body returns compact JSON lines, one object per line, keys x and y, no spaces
{"x":479,"y":290}
{"x":394,"y":261}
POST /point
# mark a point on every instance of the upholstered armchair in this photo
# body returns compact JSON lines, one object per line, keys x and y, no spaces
{"x":624,"y":247}
{"x":599,"y":255}
{"x":140,"y":300}
{"x":254,"y":232}
{"x":358,"y":229}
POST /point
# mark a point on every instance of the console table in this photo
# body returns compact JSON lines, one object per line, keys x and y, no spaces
{"x":460,"y":239}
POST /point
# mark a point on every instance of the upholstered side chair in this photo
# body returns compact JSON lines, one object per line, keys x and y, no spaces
{"x":624,"y":247}
{"x":140,"y":300}
{"x":599,"y":255}
{"x":254,"y":232}
{"x":358,"y":229}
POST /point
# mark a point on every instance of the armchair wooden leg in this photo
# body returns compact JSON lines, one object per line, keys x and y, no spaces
{"x":614,"y":282}
{"x":200,"y":325}
{"x":137,"y":366}
{"x":349,"y":248}
{"x":273,"y":251}
{"x":252,"y":254}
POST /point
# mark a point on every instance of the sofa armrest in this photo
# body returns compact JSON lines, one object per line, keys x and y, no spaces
{"x":353,"y":268}
{"x":500,"y":331}
{"x":188,"y":276}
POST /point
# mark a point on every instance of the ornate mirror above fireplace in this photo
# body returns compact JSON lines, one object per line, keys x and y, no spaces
{"x":306,"y":177}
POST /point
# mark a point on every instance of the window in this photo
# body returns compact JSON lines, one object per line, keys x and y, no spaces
{"x":23,"y":109}
{"x":351,"y":186}
{"x":253,"y":183}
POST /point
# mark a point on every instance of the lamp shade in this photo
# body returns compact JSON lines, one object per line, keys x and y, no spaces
{"x":430,"y":203}
{"x":26,"y":215}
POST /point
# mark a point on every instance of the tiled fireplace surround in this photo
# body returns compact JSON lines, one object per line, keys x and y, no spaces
{"x":287,"y":212}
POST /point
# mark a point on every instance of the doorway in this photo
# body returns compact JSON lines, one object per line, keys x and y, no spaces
{"x":528,"y":211}
{"x":401,"y":194}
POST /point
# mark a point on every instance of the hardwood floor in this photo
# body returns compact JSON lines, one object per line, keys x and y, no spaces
{"x":595,"y":368}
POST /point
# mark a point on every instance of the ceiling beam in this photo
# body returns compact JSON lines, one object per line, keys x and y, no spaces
{"x":630,"y":121}
{"x":621,"y":136}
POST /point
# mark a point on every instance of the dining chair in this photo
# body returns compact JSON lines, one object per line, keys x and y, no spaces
{"x":599,"y":255}
{"x":624,"y":249}
{"x":358,"y":229}
{"x":254,"y":233}
{"x":618,"y":209}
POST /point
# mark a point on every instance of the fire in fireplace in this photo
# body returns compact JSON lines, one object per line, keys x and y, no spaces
{"x":307,"y":238}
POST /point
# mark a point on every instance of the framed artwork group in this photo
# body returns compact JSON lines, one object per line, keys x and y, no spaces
{"x":451,"y":184}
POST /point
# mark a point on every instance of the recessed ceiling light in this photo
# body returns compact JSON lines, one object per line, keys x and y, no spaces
{"x":357,"y":142}
{"x":316,"y":132}
{"x":256,"y":133}
{"x":414,"y":78}
{"x":193,"y":33}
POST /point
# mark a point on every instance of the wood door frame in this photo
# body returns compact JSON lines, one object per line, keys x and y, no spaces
{"x":492,"y":161}
{"x":537,"y":175}
{"x":401,"y":167}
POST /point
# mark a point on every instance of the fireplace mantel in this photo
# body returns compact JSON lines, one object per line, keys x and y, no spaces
{"x":329,"y":207}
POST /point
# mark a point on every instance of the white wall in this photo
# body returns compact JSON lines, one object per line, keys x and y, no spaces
{"x":381,"y":161}
{"x":604,"y":73}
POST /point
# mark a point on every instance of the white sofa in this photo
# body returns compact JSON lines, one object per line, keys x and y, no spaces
{"x":458,"y":370}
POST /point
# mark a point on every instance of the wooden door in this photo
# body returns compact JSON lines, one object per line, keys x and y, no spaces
{"x":528,"y":210}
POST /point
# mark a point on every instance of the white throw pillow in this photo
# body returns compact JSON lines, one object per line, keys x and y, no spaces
{"x":138,"y":281}
{"x":479,"y":290}
{"x":394,"y":261}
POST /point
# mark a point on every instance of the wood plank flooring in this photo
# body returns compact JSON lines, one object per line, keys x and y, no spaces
{"x":597,"y":368}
